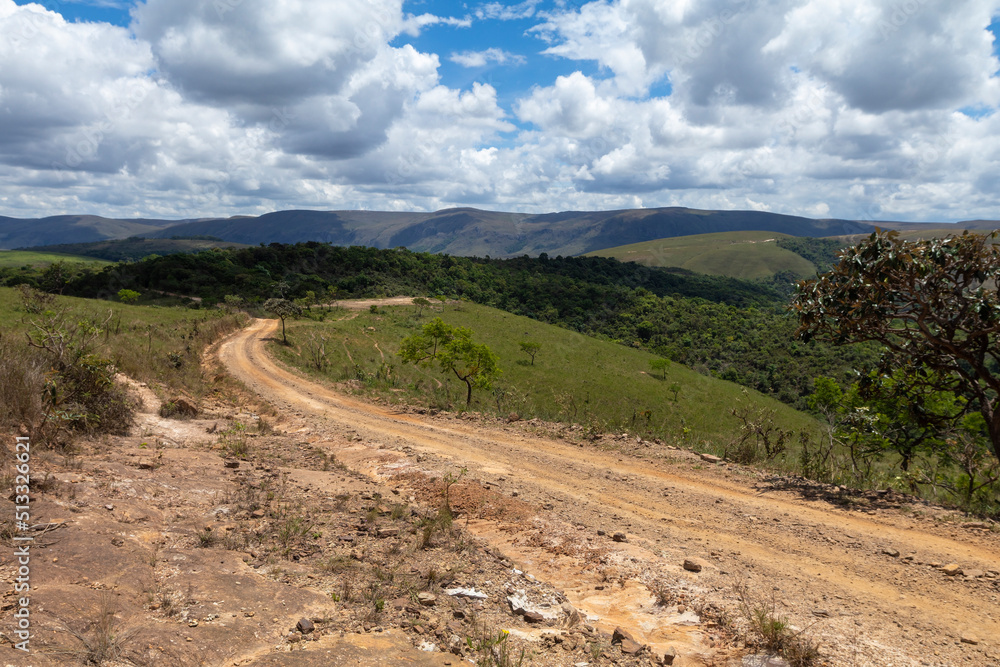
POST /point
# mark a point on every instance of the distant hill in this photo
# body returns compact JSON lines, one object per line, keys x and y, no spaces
{"x":28,"y":232}
{"x":457,"y":231}
{"x":469,"y":231}
{"x":135,"y":248}
{"x":749,"y":255}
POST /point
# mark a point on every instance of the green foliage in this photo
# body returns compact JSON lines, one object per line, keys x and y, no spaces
{"x":128,"y":295}
{"x":733,"y":329}
{"x":661,"y":365}
{"x":79,"y":393}
{"x":932,"y":305}
{"x":530,"y":348}
{"x":454,"y":351}
{"x":822,"y":253}
{"x":421,"y":303}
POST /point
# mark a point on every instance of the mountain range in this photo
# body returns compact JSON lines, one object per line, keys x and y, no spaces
{"x":456,"y":231}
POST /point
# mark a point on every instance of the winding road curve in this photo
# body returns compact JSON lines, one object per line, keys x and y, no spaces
{"x":828,"y":567}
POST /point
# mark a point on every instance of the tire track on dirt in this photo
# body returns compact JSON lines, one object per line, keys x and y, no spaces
{"x":816,"y":555}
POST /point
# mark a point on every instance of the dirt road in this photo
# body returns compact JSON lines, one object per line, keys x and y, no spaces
{"x":865,"y":579}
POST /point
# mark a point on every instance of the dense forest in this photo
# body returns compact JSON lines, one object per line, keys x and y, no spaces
{"x":734,"y":329}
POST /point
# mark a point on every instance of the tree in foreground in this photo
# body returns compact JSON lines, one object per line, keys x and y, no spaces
{"x":454,"y":351}
{"x":932,"y":304}
{"x":282,"y":309}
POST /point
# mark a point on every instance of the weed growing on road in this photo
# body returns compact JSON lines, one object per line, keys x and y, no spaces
{"x":765,"y":628}
{"x":493,"y":649}
{"x":234,"y":440}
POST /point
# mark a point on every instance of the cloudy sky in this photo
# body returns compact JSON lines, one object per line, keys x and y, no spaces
{"x":861,"y":109}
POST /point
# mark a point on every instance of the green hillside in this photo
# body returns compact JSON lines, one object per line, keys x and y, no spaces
{"x":18,"y":258}
{"x":135,"y":248}
{"x":748,"y":255}
{"x":575,"y":378}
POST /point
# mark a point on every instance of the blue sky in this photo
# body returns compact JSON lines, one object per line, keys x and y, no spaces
{"x":860,"y":109}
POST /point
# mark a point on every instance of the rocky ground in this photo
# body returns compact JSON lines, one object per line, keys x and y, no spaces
{"x":288,"y":524}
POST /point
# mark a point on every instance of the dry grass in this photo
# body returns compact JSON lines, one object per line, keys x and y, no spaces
{"x":105,"y":639}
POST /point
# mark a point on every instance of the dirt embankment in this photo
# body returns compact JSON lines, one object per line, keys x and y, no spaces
{"x":864,"y":576}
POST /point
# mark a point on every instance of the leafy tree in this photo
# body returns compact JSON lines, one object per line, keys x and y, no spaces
{"x":128,"y":295}
{"x":282,"y":309}
{"x":660,"y":364}
{"x":453,"y":349}
{"x":674,"y":388}
{"x":421,"y":303}
{"x":912,"y":416}
{"x":307,"y":300}
{"x":233,"y":303}
{"x":530,"y":348}
{"x":932,"y":304}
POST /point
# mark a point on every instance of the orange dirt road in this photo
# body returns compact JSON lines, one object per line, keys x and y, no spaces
{"x":829,"y":568}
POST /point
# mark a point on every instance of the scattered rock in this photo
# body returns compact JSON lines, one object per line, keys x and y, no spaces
{"x":232,"y":463}
{"x":891,"y":552}
{"x":146,"y":465}
{"x":951,"y":569}
{"x":669,"y":657}
{"x":970,"y":639}
{"x":426,"y":599}
{"x":620,"y":635}
{"x":630,"y":647}
{"x":388,"y":532}
{"x":693,"y":564}
{"x":520,"y":606}
{"x":572,"y":615}
{"x":305,"y":626}
{"x":973,"y":574}
{"x":977,"y":524}
{"x":533,"y":617}
{"x":471,"y":593}
{"x":399,"y":604}
{"x":257,"y":514}
{"x":619,"y":537}
{"x":182,"y":406}
{"x":710,"y":458}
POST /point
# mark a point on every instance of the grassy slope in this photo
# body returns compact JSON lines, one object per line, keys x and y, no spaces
{"x":736,"y":254}
{"x":575,"y":378}
{"x":140,"y":339}
{"x":16,"y":258}
{"x":135,"y":248}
